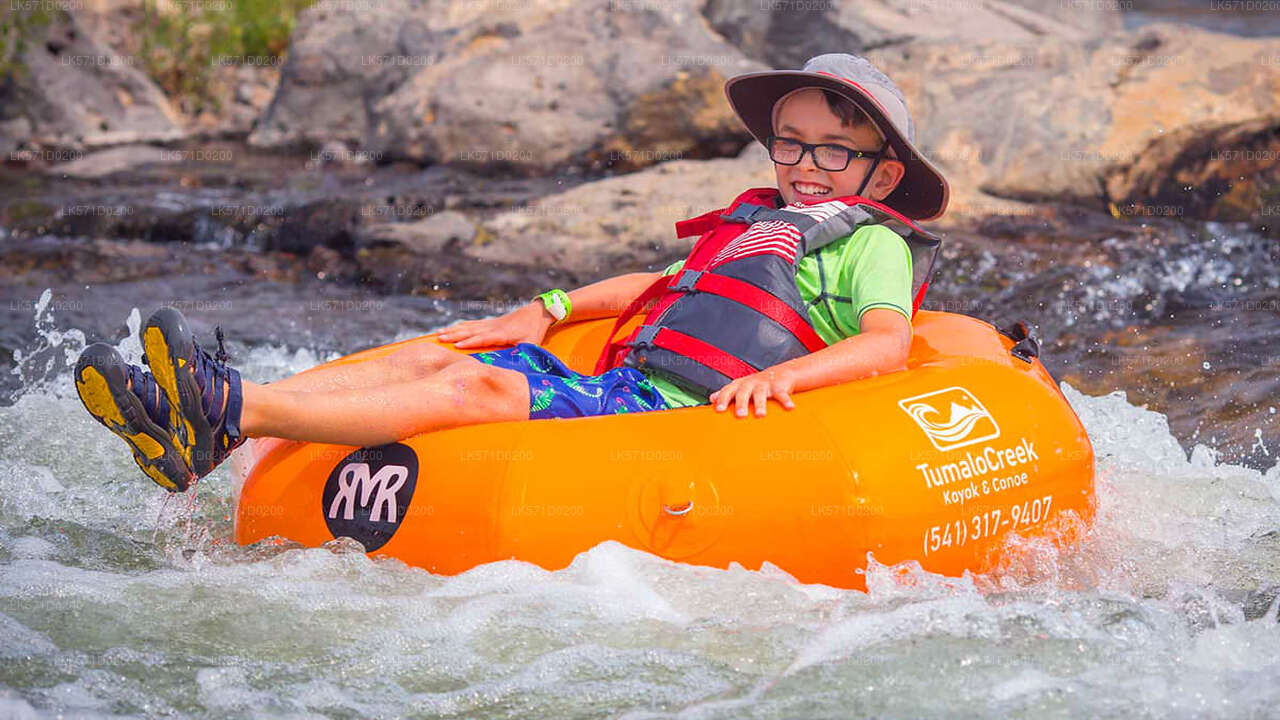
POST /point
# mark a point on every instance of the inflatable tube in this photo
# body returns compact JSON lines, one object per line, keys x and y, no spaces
{"x":937,"y":464}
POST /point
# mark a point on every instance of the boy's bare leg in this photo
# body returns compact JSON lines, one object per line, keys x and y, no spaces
{"x":460,"y":393}
{"x":410,"y":364}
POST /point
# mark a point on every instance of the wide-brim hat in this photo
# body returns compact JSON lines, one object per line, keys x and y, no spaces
{"x":922,"y":193}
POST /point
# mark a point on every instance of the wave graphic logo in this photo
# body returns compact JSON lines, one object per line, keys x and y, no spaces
{"x":951,"y":418}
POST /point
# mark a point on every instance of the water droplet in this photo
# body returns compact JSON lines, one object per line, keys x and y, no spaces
{"x":1204,"y":365}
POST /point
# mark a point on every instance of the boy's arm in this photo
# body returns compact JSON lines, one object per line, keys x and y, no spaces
{"x":875,"y":275}
{"x":608,"y":297}
{"x":530,"y":322}
{"x":881,"y":347}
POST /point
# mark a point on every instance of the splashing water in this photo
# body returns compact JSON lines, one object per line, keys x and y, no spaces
{"x":115,"y":601}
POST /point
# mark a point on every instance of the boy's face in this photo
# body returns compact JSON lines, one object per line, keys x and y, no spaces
{"x":806,"y":117}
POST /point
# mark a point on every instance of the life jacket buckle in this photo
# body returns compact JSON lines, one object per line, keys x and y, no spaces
{"x":644,"y":336}
{"x":745,"y":213}
{"x":686,"y":281}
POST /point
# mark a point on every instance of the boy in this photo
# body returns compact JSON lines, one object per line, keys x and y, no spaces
{"x":837,"y":128}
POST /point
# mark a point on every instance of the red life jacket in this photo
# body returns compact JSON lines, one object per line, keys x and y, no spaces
{"x":734,"y":308}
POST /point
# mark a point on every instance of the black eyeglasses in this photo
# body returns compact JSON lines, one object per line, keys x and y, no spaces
{"x":827,"y":156}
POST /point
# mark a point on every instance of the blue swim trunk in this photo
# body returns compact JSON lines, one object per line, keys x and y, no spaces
{"x":555,"y":391}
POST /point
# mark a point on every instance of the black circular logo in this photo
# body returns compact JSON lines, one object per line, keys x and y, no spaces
{"x":368,"y":493}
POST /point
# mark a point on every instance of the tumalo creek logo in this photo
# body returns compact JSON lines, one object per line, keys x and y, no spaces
{"x":368,"y":493}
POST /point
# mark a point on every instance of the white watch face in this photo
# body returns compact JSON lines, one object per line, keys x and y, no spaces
{"x":555,"y":307}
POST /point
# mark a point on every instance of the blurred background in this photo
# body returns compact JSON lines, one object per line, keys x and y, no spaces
{"x":1113,"y":163}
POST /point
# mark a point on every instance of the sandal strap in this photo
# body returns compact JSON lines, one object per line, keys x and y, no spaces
{"x":148,"y":391}
{"x":224,"y":417}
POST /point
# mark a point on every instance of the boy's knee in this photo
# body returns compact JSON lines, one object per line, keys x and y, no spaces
{"x":479,"y":379}
{"x":421,"y":358}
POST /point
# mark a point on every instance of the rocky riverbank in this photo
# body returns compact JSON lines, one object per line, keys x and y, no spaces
{"x":1114,"y":182}
{"x":483,"y":148}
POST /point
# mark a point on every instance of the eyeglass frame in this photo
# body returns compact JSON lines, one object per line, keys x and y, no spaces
{"x":811,"y":148}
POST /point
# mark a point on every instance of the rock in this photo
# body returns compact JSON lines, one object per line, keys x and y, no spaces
{"x":241,"y":93}
{"x":1056,"y":120}
{"x":484,"y":85}
{"x":1228,"y":172}
{"x":441,"y":232}
{"x":328,"y":222}
{"x":76,"y":92}
{"x":337,"y":154}
{"x":113,"y":22}
{"x":12,"y":133}
{"x":50,"y":260}
{"x":392,"y":268}
{"x":785,"y":34}
{"x":620,"y":224}
{"x":625,"y":223}
{"x":114,"y":160}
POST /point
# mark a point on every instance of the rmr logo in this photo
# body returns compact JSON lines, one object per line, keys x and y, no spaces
{"x":951,"y":418}
{"x":355,"y":478}
{"x":368,"y":493}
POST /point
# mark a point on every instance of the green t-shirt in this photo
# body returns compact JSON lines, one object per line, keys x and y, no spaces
{"x":870,"y":268}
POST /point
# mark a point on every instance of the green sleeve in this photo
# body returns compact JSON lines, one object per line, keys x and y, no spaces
{"x":673,"y":268}
{"x":876,"y":273}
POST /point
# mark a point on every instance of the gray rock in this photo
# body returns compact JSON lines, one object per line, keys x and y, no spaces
{"x":13,"y":132}
{"x":441,"y":232}
{"x":528,"y":87}
{"x":76,"y":92}
{"x":785,"y":34}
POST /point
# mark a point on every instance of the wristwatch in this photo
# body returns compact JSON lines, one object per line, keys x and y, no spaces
{"x":557,"y":303}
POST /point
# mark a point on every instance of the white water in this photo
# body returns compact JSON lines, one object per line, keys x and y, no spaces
{"x":114,"y":602}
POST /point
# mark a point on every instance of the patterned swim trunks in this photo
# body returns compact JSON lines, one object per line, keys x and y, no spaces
{"x":555,"y":391}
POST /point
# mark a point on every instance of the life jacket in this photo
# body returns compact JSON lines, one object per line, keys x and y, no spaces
{"x":734,"y":308}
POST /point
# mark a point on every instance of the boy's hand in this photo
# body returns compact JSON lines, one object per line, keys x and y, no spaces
{"x":528,"y":323}
{"x":775,"y":382}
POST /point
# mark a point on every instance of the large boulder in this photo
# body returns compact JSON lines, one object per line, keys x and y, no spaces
{"x":71,"y":91}
{"x":1217,"y":171}
{"x":619,"y":224}
{"x":785,"y":34}
{"x":529,"y":87}
{"x":1086,"y":123}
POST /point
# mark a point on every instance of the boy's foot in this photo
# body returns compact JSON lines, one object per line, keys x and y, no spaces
{"x":205,"y":396}
{"x":126,"y":399}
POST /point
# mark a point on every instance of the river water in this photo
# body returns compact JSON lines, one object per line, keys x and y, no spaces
{"x":119,"y":600}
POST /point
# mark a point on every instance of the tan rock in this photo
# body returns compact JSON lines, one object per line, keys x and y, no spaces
{"x":113,"y":160}
{"x":439,"y":232}
{"x":624,"y":223}
{"x":1055,"y":120}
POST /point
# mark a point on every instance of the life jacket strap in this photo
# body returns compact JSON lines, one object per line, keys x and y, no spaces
{"x":753,"y":297}
{"x":699,"y":226}
{"x":821,"y":234}
{"x":749,"y":214}
{"x":694,"y":349}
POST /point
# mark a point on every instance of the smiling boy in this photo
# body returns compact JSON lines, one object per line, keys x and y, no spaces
{"x":835,"y":129}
